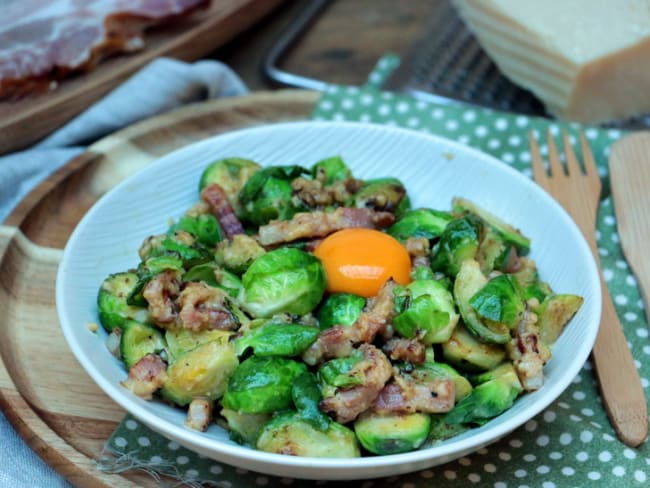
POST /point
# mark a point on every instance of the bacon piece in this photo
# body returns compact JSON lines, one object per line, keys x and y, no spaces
{"x":146,"y":376}
{"x":348,"y":403}
{"x":203,"y":307}
{"x":319,"y":224}
{"x":44,"y":41}
{"x":400,"y":349}
{"x":419,"y":250}
{"x":528,"y":353}
{"x":316,"y":194}
{"x":199,"y":414}
{"x":338,"y":341}
{"x":216,"y":197}
{"x":160,"y":293}
{"x":406,"y":396}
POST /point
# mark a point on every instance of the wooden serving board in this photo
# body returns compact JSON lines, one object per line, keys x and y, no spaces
{"x":28,"y":120}
{"x":44,"y":392}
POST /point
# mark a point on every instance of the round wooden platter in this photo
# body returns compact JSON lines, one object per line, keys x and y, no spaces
{"x":44,"y":392}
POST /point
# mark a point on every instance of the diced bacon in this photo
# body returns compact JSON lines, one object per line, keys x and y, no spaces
{"x":401,"y":349}
{"x":348,"y":403}
{"x":203,"y":307}
{"x":320,"y":224}
{"x":146,"y":376}
{"x":528,"y":353}
{"x":43,"y":41}
{"x":407,"y":396}
{"x":160,"y":293}
{"x":216,"y":197}
{"x":199,"y":414}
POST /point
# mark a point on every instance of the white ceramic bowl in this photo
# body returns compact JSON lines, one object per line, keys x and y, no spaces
{"x":433,"y":170}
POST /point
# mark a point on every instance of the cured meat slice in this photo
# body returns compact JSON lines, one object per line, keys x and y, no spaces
{"x":43,"y":41}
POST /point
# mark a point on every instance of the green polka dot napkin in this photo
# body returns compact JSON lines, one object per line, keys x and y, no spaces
{"x":571,"y":443}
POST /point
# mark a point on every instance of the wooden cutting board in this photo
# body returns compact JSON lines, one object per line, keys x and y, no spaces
{"x":26,"y":121}
{"x":47,"y":396}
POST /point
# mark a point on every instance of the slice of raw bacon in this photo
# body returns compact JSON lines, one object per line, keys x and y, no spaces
{"x":42,"y":41}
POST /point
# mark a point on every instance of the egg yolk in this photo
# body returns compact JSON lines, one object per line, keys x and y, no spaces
{"x":360,"y":261}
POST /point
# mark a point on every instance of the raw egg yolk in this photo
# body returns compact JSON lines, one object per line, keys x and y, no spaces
{"x":360,"y":261}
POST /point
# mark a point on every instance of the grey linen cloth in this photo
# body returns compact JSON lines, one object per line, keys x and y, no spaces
{"x":160,"y":86}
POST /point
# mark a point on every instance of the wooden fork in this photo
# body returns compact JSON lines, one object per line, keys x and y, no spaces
{"x":579,"y":193}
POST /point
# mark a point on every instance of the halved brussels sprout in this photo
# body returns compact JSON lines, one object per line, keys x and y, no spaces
{"x":112,"y":305}
{"x":284,"y":280}
{"x":238,"y":253}
{"x":384,"y":194}
{"x":488,"y":399}
{"x":231,"y":174}
{"x":179,"y":340}
{"x":204,"y":227}
{"x":213,"y":275}
{"x":202,"y":372}
{"x":429,"y":371}
{"x":190,"y":251}
{"x":429,"y":313}
{"x":340,"y":309}
{"x":262,"y":384}
{"x":529,"y":281}
{"x":306,"y":396}
{"x":470,"y":281}
{"x":420,"y":222}
{"x":290,"y":434}
{"x":441,"y":430}
{"x":244,"y":428}
{"x":509,"y":233}
{"x":267,"y":195}
{"x":493,"y":252}
{"x":392,"y":433}
{"x":499,"y":301}
{"x":554,"y":313}
{"x":465,"y":352}
{"x":339,"y":372}
{"x":331,"y":170}
{"x":277,"y":339}
{"x":458,"y":242}
{"x":138,"y":340}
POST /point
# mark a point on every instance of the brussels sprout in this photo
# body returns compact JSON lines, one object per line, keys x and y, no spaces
{"x":231,"y":174}
{"x":202,"y":372}
{"x":420,"y":222}
{"x":488,"y":399}
{"x":289,"y":434}
{"x":493,"y":252}
{"x":441,"y":430}
{"x":238,"y":253}
{"x":204,"y":227}
{"x":113,"y":308}
{"x":262,"y":384}
{"x":138,"y":340}
{"x":213,"y":275}
{"x":422,"y":273}
{"x":509,"y":233}
{"x":499,"y":301}
{"x":179,"y":341}
{"x":554,"y":313}
{"x":185,"y":246}
{"x":331,"y":170}
{"x":469,"y":282}
{"x":267,"y":195}
{"x":392,"y":433}
{"x":339,"y":372}
{"x":306,"y":396}
{"x":528,"y":279}
{"x":283,"y":280}
{"x":149,"y":268}
{"x":429,"y":371}
{"x":340,"y":309}
{"x":386,"y":194}
{"x":430,"y":315}
{"x":465,"y":352}
{"x":244,"y":428}
{"x":277,"y":339}
{"x":458,"y":242}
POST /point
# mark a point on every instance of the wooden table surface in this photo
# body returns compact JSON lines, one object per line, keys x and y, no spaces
{"x":342,"y":46}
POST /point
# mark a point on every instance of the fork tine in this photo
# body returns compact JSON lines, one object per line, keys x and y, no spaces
{"x":554,"y":163}
{"x":588,"y":157}
{"x":572,"y":164}
{"x":539,"y":171}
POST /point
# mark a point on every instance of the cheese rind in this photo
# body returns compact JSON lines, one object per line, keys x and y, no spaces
{"x":587,"y":60}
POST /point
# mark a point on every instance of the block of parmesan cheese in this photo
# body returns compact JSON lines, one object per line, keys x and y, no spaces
{"x":587,"y":60}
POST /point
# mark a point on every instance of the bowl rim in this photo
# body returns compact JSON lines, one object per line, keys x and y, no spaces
{"x":346,"y":468}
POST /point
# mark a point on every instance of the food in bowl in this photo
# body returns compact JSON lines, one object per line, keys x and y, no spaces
{"x":313,"y":313}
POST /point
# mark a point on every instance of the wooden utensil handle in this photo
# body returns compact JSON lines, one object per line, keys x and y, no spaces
{"x":620,"y":384}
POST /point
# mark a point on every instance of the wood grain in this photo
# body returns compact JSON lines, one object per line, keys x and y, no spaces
{"x":26,"y":121}
{"x":44,"y":392}
{"x":629,"y":175}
